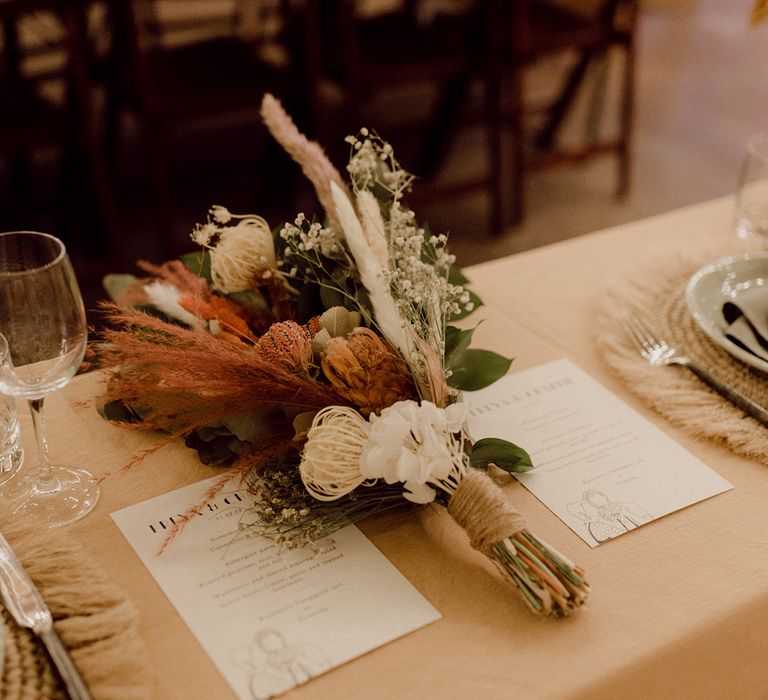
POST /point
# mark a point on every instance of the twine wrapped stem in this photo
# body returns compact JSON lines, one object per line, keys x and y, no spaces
{"x":551,"y":585}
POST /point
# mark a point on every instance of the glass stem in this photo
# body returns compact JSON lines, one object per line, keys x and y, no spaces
{"x":38,"y":422}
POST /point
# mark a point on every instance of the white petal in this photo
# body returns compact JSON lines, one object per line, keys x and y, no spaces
{"x":418,"y":493}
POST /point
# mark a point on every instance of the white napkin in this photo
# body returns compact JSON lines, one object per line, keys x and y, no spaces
{"x":747,"y":319}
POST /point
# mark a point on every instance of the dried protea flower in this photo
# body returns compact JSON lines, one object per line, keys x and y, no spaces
{"x":288,"y":344}
{"x":364,"y":370}
{"x":242,"y":256}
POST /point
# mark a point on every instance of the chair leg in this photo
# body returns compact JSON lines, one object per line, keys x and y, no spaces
{"x":518,"y":142}
{"x":496,"y":161}
{"x":82,"y":101}
{"x":627,"y":106}
{"x":156,"y":156}
{"x":626,"y":121}
{"x":557,"y":112}
{"x":443,"y":125}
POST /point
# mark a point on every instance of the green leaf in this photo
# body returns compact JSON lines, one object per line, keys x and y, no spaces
{"x":116,"y":284}
{"x":457,"y":340}
{"x":504,"y":454}
{"x":331,"y":297}
{"x":249,"y":299}
{"x":199,"y":262}
{"x":457,"y":277}
{"x":476,"y":369}
{"x":249,"y":426}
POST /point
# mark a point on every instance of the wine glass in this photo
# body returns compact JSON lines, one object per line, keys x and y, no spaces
{"x":43,"y":335}
{"x":751,"y":212}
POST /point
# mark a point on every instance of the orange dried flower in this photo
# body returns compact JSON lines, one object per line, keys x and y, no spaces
{"x":288,"y":344}
{"x":364,"y":370}
{"x":233,"y":326}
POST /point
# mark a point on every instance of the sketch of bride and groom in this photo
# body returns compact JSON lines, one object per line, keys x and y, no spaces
{"x":275,"y":666}
{"x":603,"y":518}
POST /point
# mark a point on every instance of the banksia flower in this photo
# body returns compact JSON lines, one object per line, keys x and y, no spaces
{"x":288,"y":344}
{"x":364,"y":370}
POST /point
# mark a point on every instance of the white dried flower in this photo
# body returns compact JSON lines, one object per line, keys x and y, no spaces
{"x":242,"y":255}
{"x":165,"y":298}
{"x":221,"y":215}
{"x":204,"y":233}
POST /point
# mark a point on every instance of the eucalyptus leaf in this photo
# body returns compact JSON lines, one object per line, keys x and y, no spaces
{"x":249,"y":426}
{"x":249,"y":299}
{"x":504,"y":454}
{"x":199,"y":261}
{"x":118,"y":412}
{"x":476,"y":369}
{"x":331,"y":297}
{"x":116,"y":284}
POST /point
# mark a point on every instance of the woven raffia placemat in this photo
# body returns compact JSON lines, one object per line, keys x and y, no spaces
{"x":657,"y":295}
{"x":93,"y":617}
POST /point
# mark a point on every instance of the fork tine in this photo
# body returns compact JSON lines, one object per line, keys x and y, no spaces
{"x":635,"y":329}
{"x":642,"y":328}
{"x":649,"y":341}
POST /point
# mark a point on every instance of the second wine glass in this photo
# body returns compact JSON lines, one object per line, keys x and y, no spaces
{"x":43,"y":335}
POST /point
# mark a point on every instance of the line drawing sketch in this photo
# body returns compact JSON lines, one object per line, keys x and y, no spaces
{"x":604,"y":518}
{"x":275,"y":666}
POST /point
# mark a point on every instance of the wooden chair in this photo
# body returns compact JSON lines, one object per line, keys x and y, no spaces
{"x":357,"y":58}
{"x":491,"y":42}
{"x":29,"y":123}
{"x":534,"y":29}
{"x":175,"y":89}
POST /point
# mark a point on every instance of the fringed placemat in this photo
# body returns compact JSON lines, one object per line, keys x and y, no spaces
{"x":657,"y":295}
{"x":93,"y":617}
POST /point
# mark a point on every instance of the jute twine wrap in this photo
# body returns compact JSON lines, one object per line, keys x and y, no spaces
{"x":480,"y":507}
{"x":657,"y":295}
{"x":92,"y":615}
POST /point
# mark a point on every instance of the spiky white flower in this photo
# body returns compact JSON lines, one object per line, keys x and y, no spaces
{"x":241,"y":255}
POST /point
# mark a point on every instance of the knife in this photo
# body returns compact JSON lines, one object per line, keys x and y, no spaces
{"x":25,"y":604}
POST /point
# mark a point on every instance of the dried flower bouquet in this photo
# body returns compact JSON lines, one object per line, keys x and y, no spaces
{"x":321,"y":365}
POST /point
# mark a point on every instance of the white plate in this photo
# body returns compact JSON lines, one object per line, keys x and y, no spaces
{"x":720,"y":281}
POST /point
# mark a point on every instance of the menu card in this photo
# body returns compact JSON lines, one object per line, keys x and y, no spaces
{"x":270,"y":619}
{"x":601,"y":467}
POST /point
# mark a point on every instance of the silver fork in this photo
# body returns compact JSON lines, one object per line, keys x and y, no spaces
{"x":658,"y":352}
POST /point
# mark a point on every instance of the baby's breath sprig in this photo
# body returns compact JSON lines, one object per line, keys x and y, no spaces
{"x":315,"y":254}
{"x":419,"y":264}
{"x":373,"y":167}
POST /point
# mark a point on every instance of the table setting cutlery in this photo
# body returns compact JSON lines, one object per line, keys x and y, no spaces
{"x":658,"y":352}
{"x":24,"y":602}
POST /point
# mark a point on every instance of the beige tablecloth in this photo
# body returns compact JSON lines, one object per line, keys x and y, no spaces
{"x":679,"y":606}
